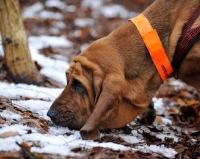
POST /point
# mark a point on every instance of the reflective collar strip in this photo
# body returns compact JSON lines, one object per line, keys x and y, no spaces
{"x":154,"y":46}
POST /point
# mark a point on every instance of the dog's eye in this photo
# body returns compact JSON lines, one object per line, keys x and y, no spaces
{"x":77,"y":86}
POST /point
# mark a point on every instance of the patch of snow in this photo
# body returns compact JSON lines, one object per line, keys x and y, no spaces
{"x":134,"y":132}
{"x":49,"y":148}
{"x":9,"y":144}
{"x":166,"y":121}
{"x":59,"y":130}
{"x":70,"y":8}
{"x":110,"y":145}
{"x":130,"y":139}
{"x":33,"y":9}
{"x":158,"y":105}
{"x":83,"y":22}
{"x":167,"y":152}
{"x":163,"y":136}
{"x":115,"y":10}
{"x":48,"y":62}
{"x":54,"y":74}
{"x":54,"y":41}
{"x":109,"y":11}
{"x":36,"y":11}
{"x":19,"y":91}
{"x":94,"y":33}
{"x":21,"y":129}
{"x":61,"y":57}
{"x":60,"y":24}
{"x":54,"y":30}
{"x":92,"y":4}
{"x":49,"y":15}
{"x":52,"y":3}
{"x":51,"y":68}
{"x":176,"y":83}
{"x":33,"y":106}
{"x":10,"y":115}
{"x":84,"y":46}
{"x":76,"y":33}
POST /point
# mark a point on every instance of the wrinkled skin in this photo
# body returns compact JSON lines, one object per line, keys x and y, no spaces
{"x":114,"y":79}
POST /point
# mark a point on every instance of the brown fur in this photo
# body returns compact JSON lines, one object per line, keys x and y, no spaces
{"x":117,"y":76}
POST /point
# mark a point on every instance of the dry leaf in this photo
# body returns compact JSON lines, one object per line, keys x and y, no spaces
{"x":158,"y":119}
{"x":180,"y":148}
{"x":9,"y":155}
{"x":192,"y":103}
{"x":9,"y":134}
{"x":181,"y":102}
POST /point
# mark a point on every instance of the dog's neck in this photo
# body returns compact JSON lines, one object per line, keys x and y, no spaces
{"x":166,"y":16}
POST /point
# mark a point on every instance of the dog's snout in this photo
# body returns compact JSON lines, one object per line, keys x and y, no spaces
{"x":52,"y":114}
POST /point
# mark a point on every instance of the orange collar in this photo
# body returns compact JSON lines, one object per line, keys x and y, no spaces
{"x":154,"y":45}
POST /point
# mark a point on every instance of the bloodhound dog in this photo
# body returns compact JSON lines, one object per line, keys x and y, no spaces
{"x":114,"y":79}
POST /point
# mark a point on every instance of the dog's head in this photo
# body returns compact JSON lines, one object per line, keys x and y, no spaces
{"x":74,"y":105}
{"x":93,"y":98}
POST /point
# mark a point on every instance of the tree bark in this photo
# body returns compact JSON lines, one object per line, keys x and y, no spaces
{"x":17,"y":54}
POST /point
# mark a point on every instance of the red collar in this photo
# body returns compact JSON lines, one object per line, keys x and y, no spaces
{"x":188,"y":37}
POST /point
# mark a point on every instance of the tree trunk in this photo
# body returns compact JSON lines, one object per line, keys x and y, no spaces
{"x":16,"y":50}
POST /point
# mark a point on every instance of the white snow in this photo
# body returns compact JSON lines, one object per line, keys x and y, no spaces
{"x":33,"y":9}
{"x":113,"y":11}
{"x":110,"y":11}
{"x":84,"y":46}
{"x":166,"y":121}
{"x":54,"y":74}
{"x":158,"y":105}
{"x":60,"y":24}
{"x":93,"y":4}
{"x":33,"y":106}
{"x":163,"y":136}
{"x":54,"y":41}
{"x":52,"y":3}
{"x":37,"y":11}
{"x":21,"y":129}
{"x":48,"y":15}
{"x":70,"y":8}
{"x":51,"y":68}
{"x":20,"y":91}
{"x":131,"y":139}
{"x":167,"y":152}
{"x":83,"y":22}
{"x":10,"y":115}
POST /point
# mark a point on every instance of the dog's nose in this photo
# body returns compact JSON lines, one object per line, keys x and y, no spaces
{"x":52,"y":114}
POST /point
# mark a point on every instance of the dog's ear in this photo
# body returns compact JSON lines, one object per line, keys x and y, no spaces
{"x":108,"y":97}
